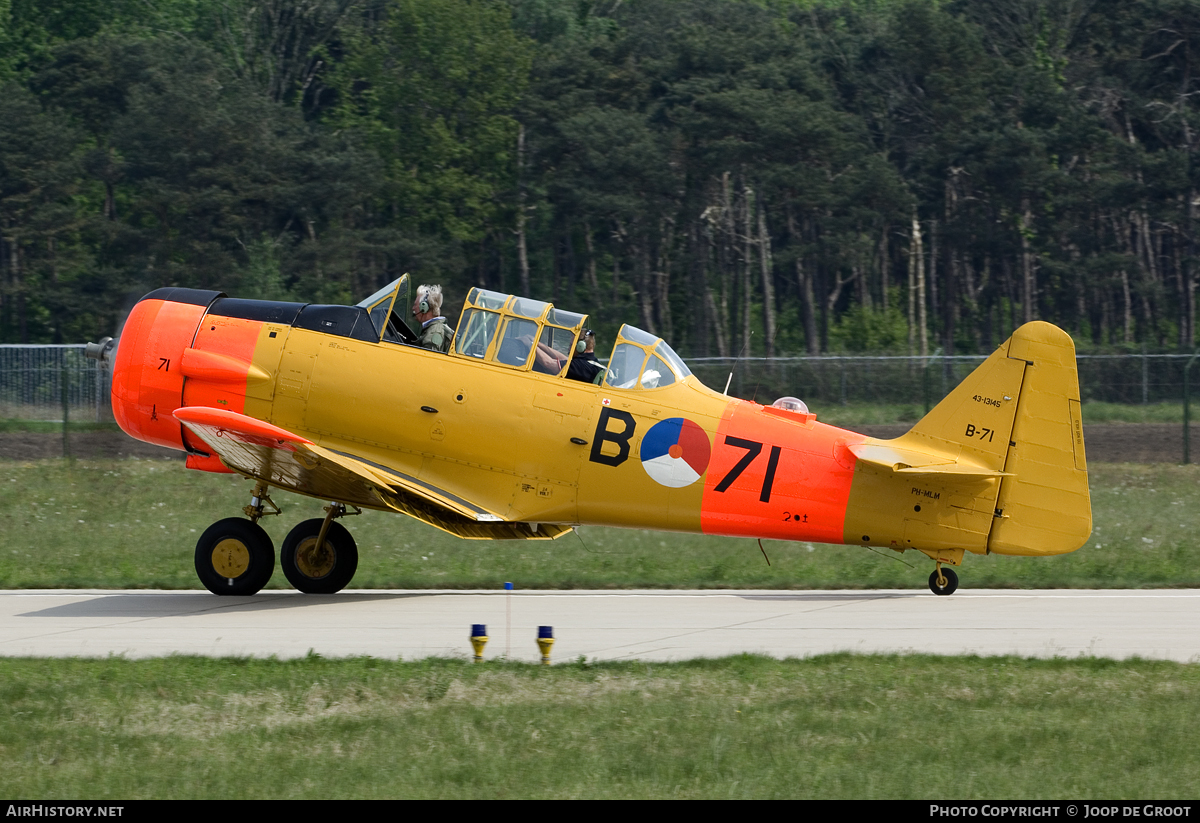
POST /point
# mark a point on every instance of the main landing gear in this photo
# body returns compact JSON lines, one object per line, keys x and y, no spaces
{"x":236,"y":556}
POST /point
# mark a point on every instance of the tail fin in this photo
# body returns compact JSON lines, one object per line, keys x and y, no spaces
{"x":1045,"y":506}
{"x":1018,"y":416}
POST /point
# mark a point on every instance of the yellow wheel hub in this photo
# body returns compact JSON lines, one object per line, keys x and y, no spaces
{"x":231,"y":558}
{"x":315,"y":562}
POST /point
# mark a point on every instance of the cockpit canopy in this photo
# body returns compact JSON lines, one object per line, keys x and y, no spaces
{"x":503,"y":329}
{"x":643,"y":361}
{"x":517,"y":332}
{"x":388,"y":308}
{"x":530,"y":335}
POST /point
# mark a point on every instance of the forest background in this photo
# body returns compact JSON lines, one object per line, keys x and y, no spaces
{"x":739,"y":177}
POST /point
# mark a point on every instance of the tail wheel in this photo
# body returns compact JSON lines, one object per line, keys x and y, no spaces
{"x":234,"y":557}
{"x":323,"y":569}
{"x":950,"y":585}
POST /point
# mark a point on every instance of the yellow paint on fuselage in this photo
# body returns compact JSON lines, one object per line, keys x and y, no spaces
{"x":1003,"y":472}
{"x":500,"y":437}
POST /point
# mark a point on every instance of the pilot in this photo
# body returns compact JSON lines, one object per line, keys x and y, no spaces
{"x":436,"y":334}
{"x":584,"y":365}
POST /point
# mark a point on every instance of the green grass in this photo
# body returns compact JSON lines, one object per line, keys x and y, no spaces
{"x":134,"y":524}
{"x":835,"y":726}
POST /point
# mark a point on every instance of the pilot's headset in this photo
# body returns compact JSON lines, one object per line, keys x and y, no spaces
{"x":581,"y":346}
{"x":423,"y":306}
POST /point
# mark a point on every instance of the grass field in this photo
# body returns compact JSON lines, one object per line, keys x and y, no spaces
{"x":829,"y":727}
{"x":134,"y":523}
{"x":837,"y":726}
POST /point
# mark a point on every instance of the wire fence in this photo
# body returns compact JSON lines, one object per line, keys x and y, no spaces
{"x":53,"y":384}
{"x":823,"y":381}
{"x":57,"y":383}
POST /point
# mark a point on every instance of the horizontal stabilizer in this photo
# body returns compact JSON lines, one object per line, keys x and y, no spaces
{"x":914,"y":462}
{"x":997,"y":466}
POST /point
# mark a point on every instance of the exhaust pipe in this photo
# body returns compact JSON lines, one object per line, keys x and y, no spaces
{"x":101,"y":351}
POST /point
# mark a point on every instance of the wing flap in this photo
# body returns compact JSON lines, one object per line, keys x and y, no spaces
{"x":289,"y":461}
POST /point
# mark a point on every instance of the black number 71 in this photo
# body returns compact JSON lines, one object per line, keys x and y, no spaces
{"x":753,"y":449}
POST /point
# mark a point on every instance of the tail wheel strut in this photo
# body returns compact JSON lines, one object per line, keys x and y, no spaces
{"x":943,"y":581}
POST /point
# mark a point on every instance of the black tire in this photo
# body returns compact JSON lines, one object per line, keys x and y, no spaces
{"x":235,"y":557}
{"x":323,"y":571}
{"x":951,"y":582}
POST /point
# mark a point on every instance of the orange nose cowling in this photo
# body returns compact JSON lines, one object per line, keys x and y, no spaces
{"x":147,"y":378}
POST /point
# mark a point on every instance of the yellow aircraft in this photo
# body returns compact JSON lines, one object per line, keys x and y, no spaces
{"x":493,"y":440}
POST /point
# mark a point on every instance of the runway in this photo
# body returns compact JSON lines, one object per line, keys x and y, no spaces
{"x":603,"y":625}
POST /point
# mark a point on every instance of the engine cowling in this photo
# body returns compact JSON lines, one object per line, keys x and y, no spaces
{"x":148,"y":370}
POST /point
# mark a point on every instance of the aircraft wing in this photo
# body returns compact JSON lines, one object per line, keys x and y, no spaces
{"x":288,"y":461}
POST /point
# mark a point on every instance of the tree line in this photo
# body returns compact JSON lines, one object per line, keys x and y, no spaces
{"x":738,"y":176}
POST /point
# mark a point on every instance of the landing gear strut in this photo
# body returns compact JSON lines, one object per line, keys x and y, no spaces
{"x":320,"y":556}
{"x":236,"y":556}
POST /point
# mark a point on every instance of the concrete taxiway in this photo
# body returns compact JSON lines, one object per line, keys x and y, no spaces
{"x":603,"y":625}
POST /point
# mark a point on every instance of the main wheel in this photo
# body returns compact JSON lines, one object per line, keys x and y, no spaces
{"x":323,"y":569}
{"x":951,"y":582}
{"x":234,"y":557}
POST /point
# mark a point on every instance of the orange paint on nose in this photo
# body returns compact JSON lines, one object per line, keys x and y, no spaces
{"x":147,"y":378}
{"x":234,"y":338}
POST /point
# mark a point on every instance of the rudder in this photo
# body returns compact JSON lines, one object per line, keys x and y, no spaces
{"x":1044,"y":506}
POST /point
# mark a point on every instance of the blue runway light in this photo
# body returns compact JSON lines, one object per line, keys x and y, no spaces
{"x":545,"y":640}
{"x":479,"y":639}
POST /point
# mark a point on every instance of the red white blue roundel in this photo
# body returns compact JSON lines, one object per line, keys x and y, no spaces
{"x":675,"y":452}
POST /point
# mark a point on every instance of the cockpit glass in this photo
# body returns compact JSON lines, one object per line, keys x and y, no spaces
{"x":561,"y":340}
{"x":379,"y":296}
{"x":525,"y":307}
{"x":564,"y":318}
{"x":379,"y":314}
{"x":667,"y":353}
{"x":656,"y":374}
{"x":476,"y":331}
{"x":387,"y":308}
{"x":638,"y":336}
{"x":625,"y":366}
{"x":487,"y":299}
{"x":554,"y":349}
{"x":516,"y":342}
